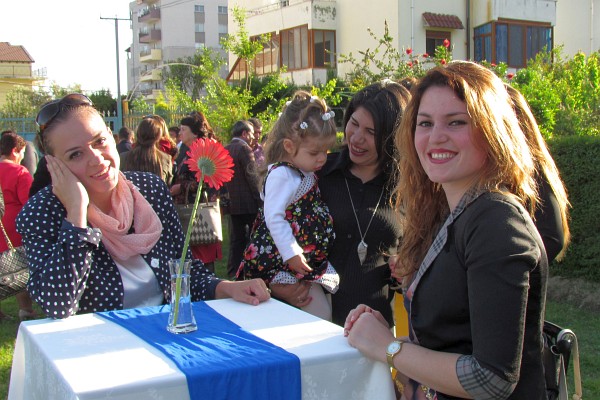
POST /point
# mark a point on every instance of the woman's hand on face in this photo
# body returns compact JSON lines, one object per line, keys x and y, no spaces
{"x":296,"y":294}
{"x":69,"y":190}
{"x":368,"y":331}
{"x":252,"y":292}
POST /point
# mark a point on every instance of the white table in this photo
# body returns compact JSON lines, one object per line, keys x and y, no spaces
{"x":88,"y":357}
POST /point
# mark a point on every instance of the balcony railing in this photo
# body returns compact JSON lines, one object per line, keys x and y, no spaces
{"x":150,"y":36}
{"x":150,"y":55}
{"x":149,"y":15}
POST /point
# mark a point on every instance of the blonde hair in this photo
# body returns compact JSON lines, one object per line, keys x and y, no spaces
{"x":509,"y":167}
{"x":304,"y":116}
{"x":545,"y":166}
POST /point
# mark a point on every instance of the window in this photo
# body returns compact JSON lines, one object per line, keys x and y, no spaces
{"x":198,"y":27}
{"x":284,"y":3}
{"x":198,"y":8}
{"x":324,"y":48}
{"x":433,"y":39}
{"x":222,"y":28}
{"x":294,"y":48}
{"x":512,"y":42}
{"x":222,"y":10}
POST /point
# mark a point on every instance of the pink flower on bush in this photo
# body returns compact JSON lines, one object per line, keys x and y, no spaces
{"x":410,"y":64}
{"x":446,"y":43}
{"x":409,"y":51}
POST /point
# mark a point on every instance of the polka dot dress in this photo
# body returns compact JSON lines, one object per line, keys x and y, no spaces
{"x":70,"y":270}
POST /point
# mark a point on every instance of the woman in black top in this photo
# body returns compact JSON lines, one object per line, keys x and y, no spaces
{"x":357,"y":185}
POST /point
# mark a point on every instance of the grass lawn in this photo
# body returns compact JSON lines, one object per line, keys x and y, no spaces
{"x":585,"y":324}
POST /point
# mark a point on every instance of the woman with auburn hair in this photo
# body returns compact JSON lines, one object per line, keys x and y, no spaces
{"x":552,"y":212}
{"x":145,"y":154}
{"x":472,"y":263}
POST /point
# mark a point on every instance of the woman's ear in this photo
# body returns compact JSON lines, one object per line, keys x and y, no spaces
{"x":289,"y":146}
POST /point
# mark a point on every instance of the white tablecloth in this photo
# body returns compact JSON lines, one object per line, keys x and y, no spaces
{"x":87,"y":357}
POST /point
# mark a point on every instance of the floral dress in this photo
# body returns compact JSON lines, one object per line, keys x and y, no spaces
{"x":312,"y":227}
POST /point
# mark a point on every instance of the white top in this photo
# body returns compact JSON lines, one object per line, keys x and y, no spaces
{"x":140,"y":286}
{"x":282,"y":188}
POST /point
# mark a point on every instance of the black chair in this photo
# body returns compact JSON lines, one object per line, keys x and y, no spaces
{"x":559,"y":345}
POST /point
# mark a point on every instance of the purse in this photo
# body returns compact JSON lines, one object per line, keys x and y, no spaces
{"x":14,"y":272}
{"x":207,"y":228}
{"x":559,"y":345}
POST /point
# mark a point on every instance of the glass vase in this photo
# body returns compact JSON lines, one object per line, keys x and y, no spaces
{"x":181,"y":315}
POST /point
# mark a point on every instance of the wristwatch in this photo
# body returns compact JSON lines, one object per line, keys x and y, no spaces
{"x":392,"y":350}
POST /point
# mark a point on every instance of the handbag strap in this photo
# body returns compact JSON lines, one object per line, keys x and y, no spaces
{"x":187,"y":195}
{"x":8,"y":242}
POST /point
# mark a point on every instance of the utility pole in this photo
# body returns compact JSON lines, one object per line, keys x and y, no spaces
{"x":119,"y":105}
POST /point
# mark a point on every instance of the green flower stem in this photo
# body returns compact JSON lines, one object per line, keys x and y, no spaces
{"x":186,"y":244}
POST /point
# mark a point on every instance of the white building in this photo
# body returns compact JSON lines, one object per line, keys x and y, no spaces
{"x":165,"y":30}
{"x":306,"y":35}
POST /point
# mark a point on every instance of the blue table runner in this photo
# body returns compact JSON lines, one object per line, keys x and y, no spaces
{"x":220,"y":360}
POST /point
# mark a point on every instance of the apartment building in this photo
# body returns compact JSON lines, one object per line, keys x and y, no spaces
{"x":165,"y":30}
{"x":15,"y":69}
{"x":306,"y":35}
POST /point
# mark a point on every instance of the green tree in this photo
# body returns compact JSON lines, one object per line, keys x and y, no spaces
{"x":244,"y":47}
{"x":190,"y":73}
{"x":104,"y":101}
{"x":22,"y":102}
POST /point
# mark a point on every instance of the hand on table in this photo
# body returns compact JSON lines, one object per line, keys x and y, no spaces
{"x":252,"y":291}
{"x":368,"y":331}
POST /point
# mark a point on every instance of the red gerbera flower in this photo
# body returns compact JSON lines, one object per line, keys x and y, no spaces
{"x":211,"y":161}
{"x":446,"y":43}
{"x":409,"y":51}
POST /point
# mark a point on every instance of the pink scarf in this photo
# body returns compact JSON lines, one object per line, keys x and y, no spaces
{"x":126,"y":201}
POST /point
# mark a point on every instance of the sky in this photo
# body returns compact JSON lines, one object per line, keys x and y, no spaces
{"x":69,"y":40}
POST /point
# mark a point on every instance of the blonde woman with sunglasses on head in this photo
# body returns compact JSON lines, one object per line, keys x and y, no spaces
{"x":98,"y":239}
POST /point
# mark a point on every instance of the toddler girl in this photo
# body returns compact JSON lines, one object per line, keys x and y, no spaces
{"x":293,"y":232}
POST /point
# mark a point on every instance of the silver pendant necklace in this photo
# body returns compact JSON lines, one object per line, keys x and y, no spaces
{"x":361,"y":249}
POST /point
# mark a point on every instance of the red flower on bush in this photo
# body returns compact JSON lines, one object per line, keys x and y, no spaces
{"x":443,"y":61}
{"x":410,"y":64}
{"x":446,"y":43}
{"x":510,"y":75}
{"x":425,"y":55}
{"x":409,"y":51}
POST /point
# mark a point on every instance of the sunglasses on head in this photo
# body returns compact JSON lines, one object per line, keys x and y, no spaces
{"x":50,"y":110}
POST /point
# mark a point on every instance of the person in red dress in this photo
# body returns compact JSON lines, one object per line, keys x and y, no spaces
{"x":15,"y":181}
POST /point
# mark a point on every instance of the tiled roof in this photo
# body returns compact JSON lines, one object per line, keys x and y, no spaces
{"x":10,"y":53}
{"x":442,"y":21}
